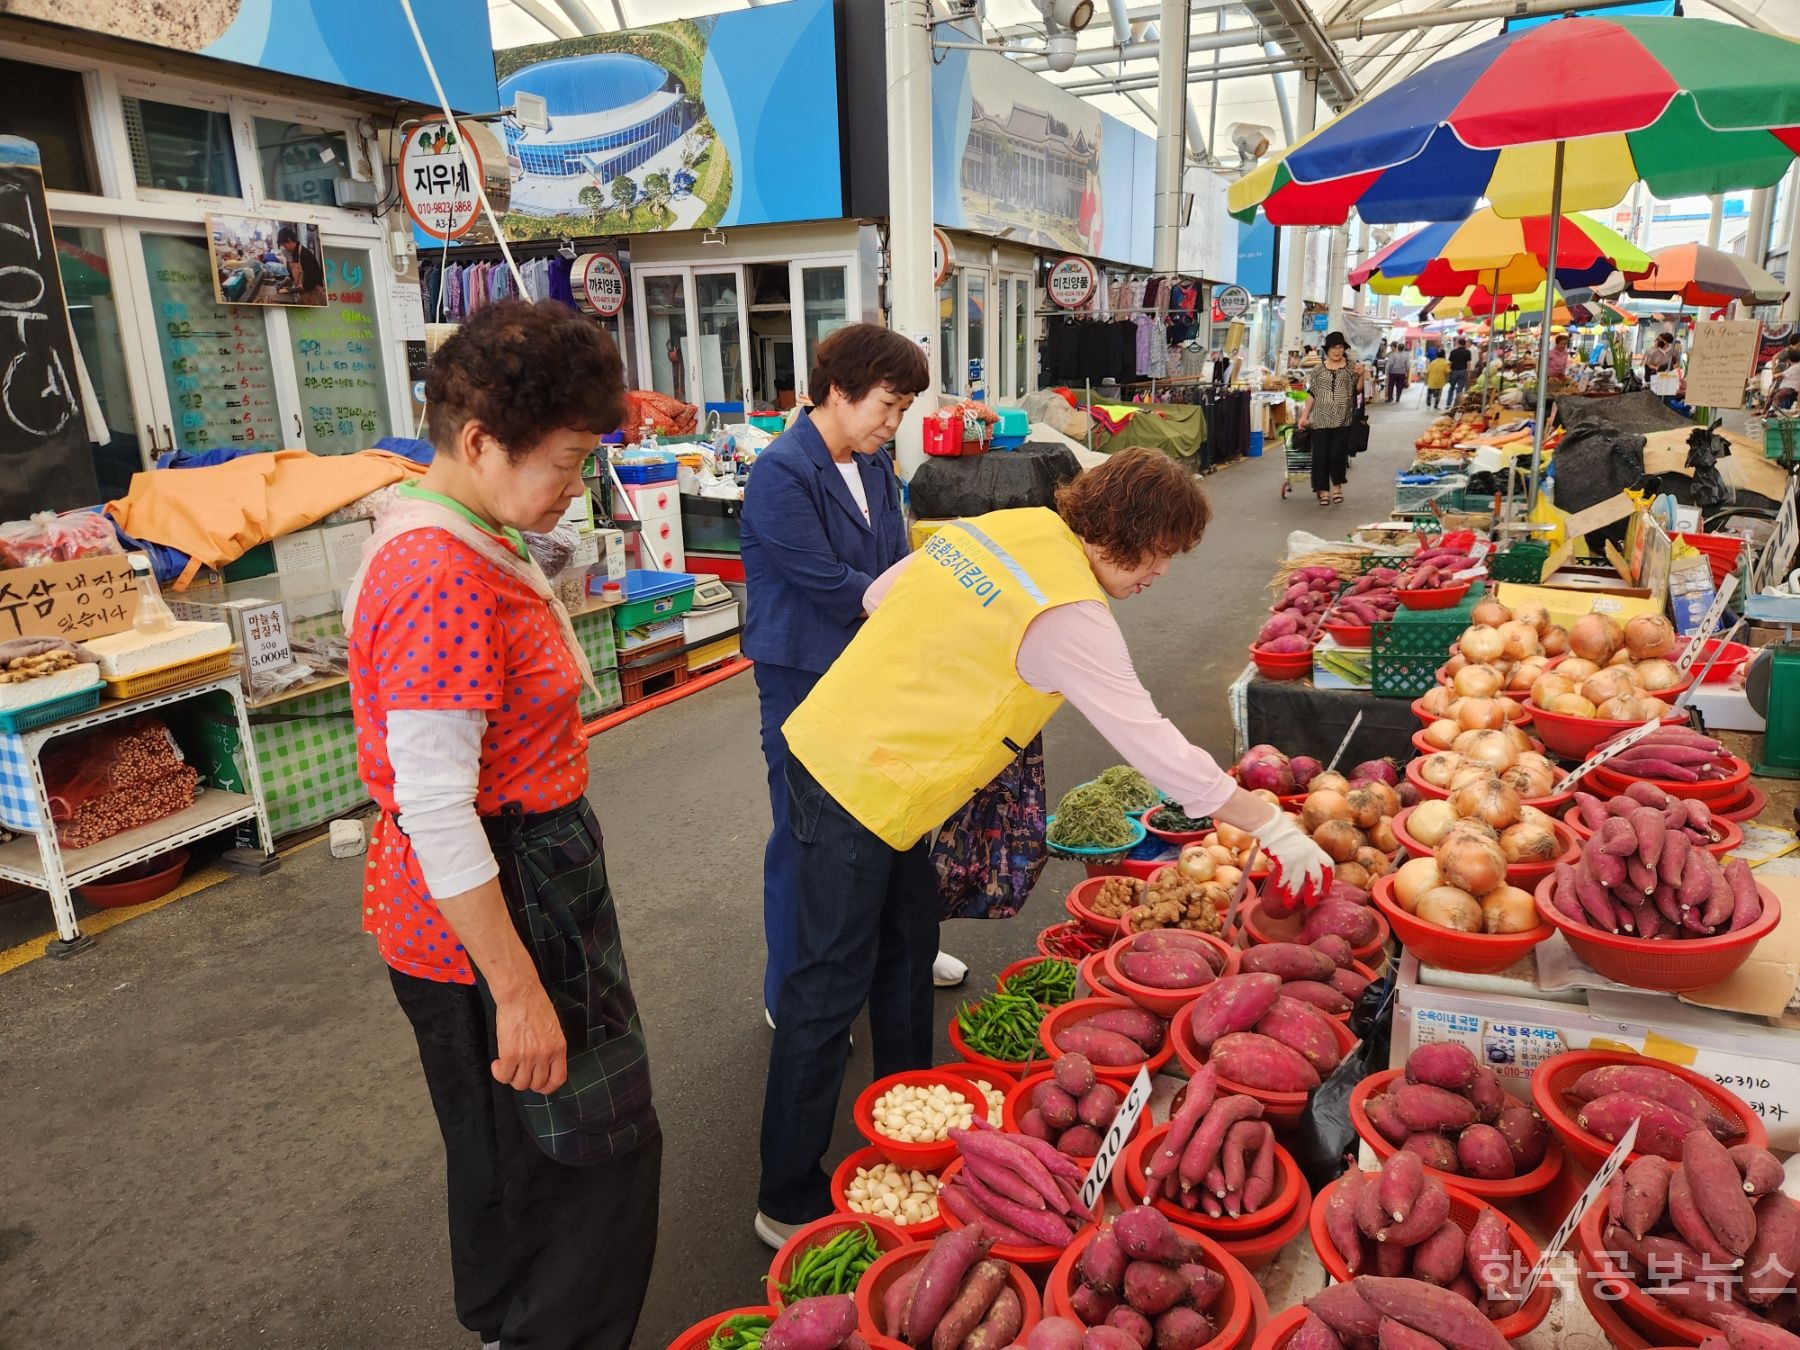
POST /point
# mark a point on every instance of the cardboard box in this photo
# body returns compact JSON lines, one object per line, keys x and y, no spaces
{"x":1566,"y":605}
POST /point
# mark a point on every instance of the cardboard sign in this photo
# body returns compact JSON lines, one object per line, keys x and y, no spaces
{"x":1593,"y":761}
{"x":89,"y":597}
{"x":265,"y":639}
{"x":1766,"y":572}
{"x":1602,"y":1179}
{"x":1709,"y":624}
{"x":1721,"y":360}
{"x":1116,"y":1134}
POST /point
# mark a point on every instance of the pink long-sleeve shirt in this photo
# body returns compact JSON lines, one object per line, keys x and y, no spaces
{"x":1077,"y":650}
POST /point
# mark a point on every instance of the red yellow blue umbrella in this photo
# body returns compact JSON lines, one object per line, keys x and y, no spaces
{"x":1500,"y":254}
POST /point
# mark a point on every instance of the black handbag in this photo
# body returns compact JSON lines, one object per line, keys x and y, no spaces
{"x":1359,"y":431}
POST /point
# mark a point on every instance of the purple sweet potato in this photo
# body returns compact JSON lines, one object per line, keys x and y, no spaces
{"x":1098,"y":1106}
{"x":1439,"y":1258}
{"x":1203,"y":1149}
{"x":1385,"y":1117}
{"x":1718,"y":1191}
{"x":1443,"y":1064}
{"x":1183,"y":1329}
{"x":1033,"y":1124}
{"x":1259,"y":1062}
{"x":1392,"y":1259}
{"x":1661,"y":1128}
{"x":941,"y":1273}
{"x":1132,"y":1322}
{"x":1055,"y":1333}
{"x":1489,"y":1097}
{"x":1435,"y":1151}
{"x":1146,"y":1029}
{"x":1327,"y":998}
{"x":1259,"y":1186}
{"x":1302,"y":1028}
{"x":1074,"y":1074}
{"x":1398,"y":1336}
{"x":1349,"y":984}
{"x":1336,"y":948}
{"x":1483,"y":1152}
{"x":1354,"y":923}
{"x":1092,"y":1306}
{"x":979,"y":1289}
{"x":1205,"y":1286}
{"x":1110,"y":1048}
{"x":1658,"y":1258}
{"x":1438,"y":1313}
{"x":1774,"y":1258}
{"x":1197,"y":1100}
{"x":1706,"y":1301}
{"x":960,"y":1201}
{"x":1425,"y":1107}
{"x":1493,"y":1260}
{"x":1688,"y":1221}
{"x":1001,"y":1324}
{"x":1746,"y":901}
{"x":1370,"y":1217}
{"x":1153,"y":1288}
{"x":1760,"y":1169}
{"x":1344,"y":1309}
{"x":1235,"y":1003}
{"x":1144,"y":1234}
{"x":1313,"y":1334}
{"x":1166,"y":970}
{"x":1057,"y":1107}
{"x":1428,"y":1214}
{"x":1289,"y":961}
{"x":897,"y":1301}
{"x":1744,"y":1333}
{"x":1080,"y":1141}
{"x":1102,"y":1262}
{"x":1644,"y":1194}
{"x":1234,"y":1163}
{"x":1103,"y":1337}
{"x":1340,"y":1217}
{"x":1402,"y":1178}
{"x":814,"y":1323}
{"x":1526,"y":1134}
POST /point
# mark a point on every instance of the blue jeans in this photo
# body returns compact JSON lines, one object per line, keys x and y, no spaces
{"x":779,"y":689}
{"x":866,"y":932}
{"x":1455,"y":386}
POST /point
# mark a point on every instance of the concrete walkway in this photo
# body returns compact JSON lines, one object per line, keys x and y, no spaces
{"x":215,"y":1131}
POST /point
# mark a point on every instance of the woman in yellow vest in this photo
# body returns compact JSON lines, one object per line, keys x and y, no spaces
{"x":972,"y":644}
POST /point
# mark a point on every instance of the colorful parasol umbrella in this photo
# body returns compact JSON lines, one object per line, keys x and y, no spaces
{"x":1707,"y":277}
{"x":1504,"y":255}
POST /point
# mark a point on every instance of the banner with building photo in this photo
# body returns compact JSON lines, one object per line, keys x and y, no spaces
{"x":263,"y":261}
{"x":1013,"y":155}
{"x":726,"y":120}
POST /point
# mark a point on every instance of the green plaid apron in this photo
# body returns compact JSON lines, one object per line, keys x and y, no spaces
{"x":553,"y":874}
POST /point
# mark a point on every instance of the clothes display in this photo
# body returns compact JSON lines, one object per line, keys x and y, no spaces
{"x":454,"y":290}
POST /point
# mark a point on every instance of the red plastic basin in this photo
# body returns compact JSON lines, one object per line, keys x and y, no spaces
{"x":1558,"y":1073}
{"x":1498,"y":1192}
{"x":1471,"y":953}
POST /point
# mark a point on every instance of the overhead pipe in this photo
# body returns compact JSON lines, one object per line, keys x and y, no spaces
{"x":1231,"y":70}
{"x":1281,"y":98}
{"x":553,"y":21}
{"x":581,"y":16}
{"x":1171,"y":103}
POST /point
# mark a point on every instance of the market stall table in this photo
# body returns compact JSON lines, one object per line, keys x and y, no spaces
{"x":1303,"y":719}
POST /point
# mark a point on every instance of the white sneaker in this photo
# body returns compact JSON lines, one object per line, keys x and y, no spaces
{"x":774,"y":1233}
{"x":947,"y":972}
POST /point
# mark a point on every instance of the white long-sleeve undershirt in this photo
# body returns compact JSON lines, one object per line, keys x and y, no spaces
{"x":436,"y":757}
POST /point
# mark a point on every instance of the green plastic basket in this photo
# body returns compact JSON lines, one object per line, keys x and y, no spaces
{"x":1407,"y":651}
{"x":1523,"y":562}
{"x":1781,"y":439}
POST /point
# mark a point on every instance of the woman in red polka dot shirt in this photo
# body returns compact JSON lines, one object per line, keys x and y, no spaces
{"x":485,"y":888}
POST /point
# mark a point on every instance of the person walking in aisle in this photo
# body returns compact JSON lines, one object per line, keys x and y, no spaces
{"x":485,"y":888}
{"x":1398,"y":364}
{"x":1329,"y":409}
{"x":972,"y":645}
{"x":1436,"y":375}
{"x":822,"y":519}
{"x":1460,"y":359}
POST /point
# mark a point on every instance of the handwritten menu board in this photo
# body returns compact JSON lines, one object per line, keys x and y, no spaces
{"x":337,"y":359}
{"x":215,"y":357}
{"x":86,"y":598}
{"x":1720,"y":362}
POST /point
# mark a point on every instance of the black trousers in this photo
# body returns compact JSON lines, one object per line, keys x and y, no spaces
{"x":544,"y":1256}
{"x":1330,"y":457}
{"x":866,"y":930}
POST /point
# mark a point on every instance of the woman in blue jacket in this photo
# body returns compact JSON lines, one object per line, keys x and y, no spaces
{"x":822,"y":519}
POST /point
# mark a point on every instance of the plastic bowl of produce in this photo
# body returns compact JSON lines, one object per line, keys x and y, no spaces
{"x":1000,"y":1083}
{"x":1496,"y":1192}
{"x":1556,"y":1075}
{"x":1277,"y":1334}
{"x":1103,"y":853}
{"x":1356,"y":635}
{"x":1231,"y":1315}
{"x":1427,"y":791}
{"x":1018,"y":1102}
{"x":1283,"y":1110}
{"x":135,"y":885}
{"x":928,"y":1156}
{"x":1094,"y":979}
{"x":1671,"y":965}
{"x":1434,"y":597}
{"x":1059,"y":1020}
{"x":1259,"y":929}
{"x":1733,"y":656}
{"x":1464,"y":1211}
{"x":845,"y":1173}
{"x":1471,"y":953}
{"x":1282,"y":665}
{"x":1176,"y":837}
{"x":1020,"y":967}
{"x":873,"y":1289}
{"x":1731,"y":836}
{"x":1522,"y":875}
{"x":1036,"y":1257}
{"x":1287,"y":1207}
{"x":697,"y":1336}
{"x":1610,"y":782}
{"x":1079,"y":905}
{"x":1072,"y":940}
{"x":1165,"y":1002}
{"x":887,"y":1237}
{"x":1575,"y":737}
{"x":970,"y":1055}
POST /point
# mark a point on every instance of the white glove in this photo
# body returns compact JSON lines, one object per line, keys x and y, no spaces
{"x":1301,"y":867}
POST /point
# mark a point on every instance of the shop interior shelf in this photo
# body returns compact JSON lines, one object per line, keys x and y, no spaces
{"x":214,"y":810}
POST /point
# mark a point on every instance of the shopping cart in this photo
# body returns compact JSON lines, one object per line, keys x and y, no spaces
{"x":1298,"y":460}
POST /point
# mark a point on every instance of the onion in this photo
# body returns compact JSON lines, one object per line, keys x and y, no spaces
{"x":1228,"y":876}
{"x":1516,"y":737}
{"x":1535,"y":614}
{"x":1490,"y":800}
{"x":1235,"y":839}
{"x":1631,"y":708}
{"x":1656,"y":674}
{"x":1365,"y":808}
{"x":1612,"y":683}
{"x":1530,"y":815}
{"x":1492,"y":747}
{"x":1472,"y":771}
{"x":1196,"y":864}
{"x":1595,"y":638}
{"x":1429,"y":822}
{"x":1649,"y":635}
{"x":1477,"y":681}
{"x":1382,"y":836}
{"x":1409,"y":794}
{"x":1524,"y":675}
{"x":1472,"y":828}
{"x":1554,"y":640}
{"x":1442,"y":733}
{"x":1520,"y":640}
{"x":1574,"y":669}
{"x":1375,"y":771}
{"x":1322,"y":805}
{"x":1548,"y":685}
{"x":1450,"y":907}
{"x":1436,"y":699}
{"x":1373,"y":860}
{"x":1491,"y":614}
{"x":1525,"y":843}
{"x":1220,"y":854}
{"x":1516,"y":711}
{"x":1413,"y":879}
{"x":1269,"y":771}
{"x":1529,"y":780}
{"x":1622,"y":657}
{"x":1480,"y":714}
{"x":1456,"y":662}
{"x":1438,"y":769}
{"x":1571,"y":705}
{"x":1263,"y":794}
{"x":1473,"y":865}
{"x":1304,"y":768}
{"x":1481,"y":644}
{"x":1390,"y":797}
{"x":1352,"y":874}
{"x":1508,"y":910}
{"x":1340,"y":840}
{"x":1329,"y":782}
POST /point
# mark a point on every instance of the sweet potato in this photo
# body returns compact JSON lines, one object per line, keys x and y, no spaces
{"x":1526,"y":1134}
{"x":1661,"y":1128}
{"x":1153,"y":1288}
{"x":1650,"y":827}
{"x":1258,"y":1062}
{"x":1774,"y":1258}
{"x":1004,"y":1181}
{"x":1336,"y":948}
{"x":1428,"y":1213}
{"x":1706,"y":1301}
{"x":1313,"y":1334}
{"x":1205,"y":1286}
{"x":1385,"y":1117}
{"x":1370,"y":1217}
{"x":1200,"y":1092}
{"x":1483,"y":1152}
{"x":1685,"y":1215}
{"x":1103,"y":1337}
{"x":1074,"y":1074}
{"x":1439,"y":1258}
{"x":1402,"y":1178}
{"x":1289,"y":961}
{"x":1005,"y":1316}
{"x":1392,"y":1259}
{"x":1349,"y":984}
{"x":1327,"y":998}
{"x":1344,"y":1309}
{"x":1057,"y":1107}
{"x":1144,"y":1234}
{"x":1182,"y":1329}
{"x":1644,"y":1194}
{"x":897,"y":1302}
{"x":1438,"y":1313}
{"x":941,"y":1273}
{"x":1146,"y":1029}
{"x":1340,"y":1217}
{"x":1759,"y":1168}
{"x":1092,"y":1306}
{"x":1110,"y":1048}
{"x":1433,"y":1108}
{"x":1718,"y":1191}
{"x":1033,"y":1124}
{"x":1743,"y":1333}
{"x":1235,"y":1003}
{"x":1132,"y":1322}
{"x":1166,"y":970}
{"x":813,"y":1324}
{"x":1746,"y":902}
{"x":1435,"y":1151}
{"x":1080,"y":1141}
{"x":1203,"y":1149}
{"x":1098,"y":1107}
{"x":1259,"y":1186}
{"x":1020,"y":1155}
{"x":979,"y":1289}
{"x":1443,"y":1064}
{"x":1354,"y":923}
{"x":1234,"y":1161}
{"x":1055,"y":1333}
{"x":1675,"y":849}
{"x":1398,"y":1336}
{"x":1304,"y":1029}
{"x":1656,"y":1258}
{"x":1492,"y":1257}
{"x":1102,"y":1262}
{"x":959,"y":1199}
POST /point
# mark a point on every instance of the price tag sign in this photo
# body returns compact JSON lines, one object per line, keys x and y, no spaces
{"x":1594,"y":761}
{"x":265,"y":638}
{"x":1602,"y":1179}
{"x":1344,"y":744}
{"x":1767,"y":570}
{"x":1709,"y":624}
{"x":1136,"y":1100}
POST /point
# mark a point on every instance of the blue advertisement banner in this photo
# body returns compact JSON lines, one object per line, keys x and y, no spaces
{"x":725,"y":120}
{"x":1011,"y":150}
{"x":1257,"y":243}
{"x":351,"y":43}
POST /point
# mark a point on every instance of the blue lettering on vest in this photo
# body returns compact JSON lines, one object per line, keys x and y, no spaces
{"x":969,"y":573}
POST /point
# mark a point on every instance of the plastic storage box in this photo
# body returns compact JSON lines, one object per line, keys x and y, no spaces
{"x":1013,"y":428}
{"x":648,"y":471}
{"x":650,"y":596}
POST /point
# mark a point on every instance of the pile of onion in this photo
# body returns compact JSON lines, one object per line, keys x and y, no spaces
{"x":1421,"y":890}
{"x":1514,"y":646}
{"x":1222,"y":856}
{"x":1355,"y":827}
{"x":1493,"y":800}
{"x":1617,"y":691}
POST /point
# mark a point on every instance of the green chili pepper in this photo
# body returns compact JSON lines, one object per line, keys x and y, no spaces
{"x":833,"y":1267}
{"x":743,"y":1332}
{"x":1003,"y":1026}
{"x":1050,"y":981}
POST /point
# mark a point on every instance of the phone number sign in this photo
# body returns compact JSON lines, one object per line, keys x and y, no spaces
{"x":435,"y":184}
{"x":1071,"y":282}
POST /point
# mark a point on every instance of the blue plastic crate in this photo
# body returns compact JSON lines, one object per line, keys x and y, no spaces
{"x":1006,"y":442}
{"x":664,"y":471}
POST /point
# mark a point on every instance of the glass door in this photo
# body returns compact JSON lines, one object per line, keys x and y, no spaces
{"x":949,"y":348}
{"x":662,"y":300}
{"x":719,"y":301}
{"x":975,"y":343}
{"x":824,"y":291}
{"x":336,"y":351}
{"x":1015,"y":339}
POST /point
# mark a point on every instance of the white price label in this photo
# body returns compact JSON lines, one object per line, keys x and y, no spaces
{"x":1709,"y":624}
{"x":1136,"y":1100}
{"x":1608,"y":1170}
{"x":1593,"y":761}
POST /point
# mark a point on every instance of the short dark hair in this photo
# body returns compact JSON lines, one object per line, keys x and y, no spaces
{"x":523,"y":370}
{"x":1140,"y":502}
{"x":861,"y":356}
{"x":287,"y":234}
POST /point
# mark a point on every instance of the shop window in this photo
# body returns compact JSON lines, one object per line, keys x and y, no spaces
{"x":948,"y":382}
{"x":975,"y":348}
{"x":338,"y":361}
{"x":300,"y":162}
{"x":48,"y":107}
{"x":826,"y":308}
{"x":87,"y":280}
{"x":665,"y":307}
{"x":180,"y":149}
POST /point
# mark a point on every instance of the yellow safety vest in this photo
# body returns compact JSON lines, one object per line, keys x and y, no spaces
{"x":925,"y":707}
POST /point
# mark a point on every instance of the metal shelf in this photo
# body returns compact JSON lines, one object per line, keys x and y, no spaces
{"x":214,"y":810}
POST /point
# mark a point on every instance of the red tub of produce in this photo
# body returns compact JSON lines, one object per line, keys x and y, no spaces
{"x":887,"y":1121}
{"x":1282,"y":665}
{"x":881,"y":1236}
{"x":1575,"y":737}
{"x":869,"y":1160}
{"x":1260,"y":929}
{"x":872,"y":1292}
{"x":1233,"y":1307}
{"x":1497,"y":1191}
{"x":1435,"y":597}
{"x":1164,"y":999}
{"x":1474,"y":953}
{"x":1282,"y":1109}
{"x":1521,"y":874}
{"x":1080,"y":902}
{"x":1071,"y":1028}
{"x":1253,"y":1238}
{"x":697,"y":1336}
{"x":1072,"y":940}
{"x":1559,"y":1099}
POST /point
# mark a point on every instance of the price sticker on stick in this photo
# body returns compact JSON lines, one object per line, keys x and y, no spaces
{"x":1602,"y":1179}
{"x":1124,"y":1121}
{"x":1600,"y":757}
{"x":1709,"y":624}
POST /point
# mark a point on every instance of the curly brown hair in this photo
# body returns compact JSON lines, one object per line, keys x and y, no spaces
{"x":523,"y":370}
{"x":1138,"y":504}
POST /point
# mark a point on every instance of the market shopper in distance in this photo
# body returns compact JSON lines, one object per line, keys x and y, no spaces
{"x":1329,"y":409}
{"x":822,"y":519}
{"x":485,"y":887}
{"x":1461,"y":358}
{"x":972,"y":645}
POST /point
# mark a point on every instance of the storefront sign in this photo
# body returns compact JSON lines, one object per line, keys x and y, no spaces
{"x":600,"y":284}
{"x":1072,"y":282}
{"x":1232,"y":302}
{"x":90,"y":597}
{"x":942,"y":256}
{"x":1720,"y":362}
{"x":435,"y":184}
